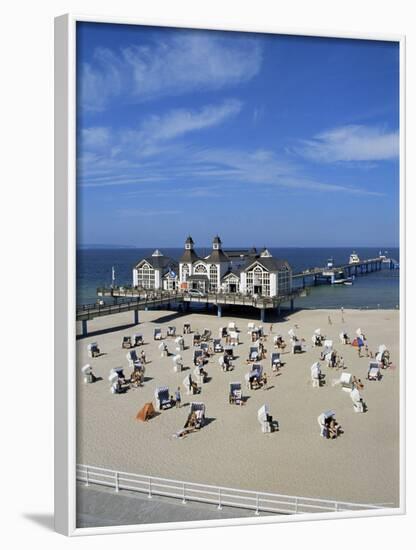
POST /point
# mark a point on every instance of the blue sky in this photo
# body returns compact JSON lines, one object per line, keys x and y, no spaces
{"x":263,"y":139}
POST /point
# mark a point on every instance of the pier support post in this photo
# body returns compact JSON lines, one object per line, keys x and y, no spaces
{"x":278,"y":311}
{"x":292,"y":304}
{"x":262,"y":315}
{"x":136,"y":317}
{"x":219,"y":311}
{"x":84,"y":327}
{"x":332,"y":278}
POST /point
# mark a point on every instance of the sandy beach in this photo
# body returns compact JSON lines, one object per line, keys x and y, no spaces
{"x":360,"y":466}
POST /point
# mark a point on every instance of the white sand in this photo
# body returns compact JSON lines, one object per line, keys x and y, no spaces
{"x":360,"y":466}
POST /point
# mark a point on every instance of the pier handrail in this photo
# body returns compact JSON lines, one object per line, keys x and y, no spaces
{"x":258,"y":501}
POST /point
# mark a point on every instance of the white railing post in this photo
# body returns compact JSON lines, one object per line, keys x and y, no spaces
{"x":219,"y":499}
{"x":116,"y":487}
{"x":296,"y":504}
{"x":86,"y":477}
{"x":336,"y":507}
{"x":183,"y":494}
{"x":257,"y":504}
{"x":150,"y":488}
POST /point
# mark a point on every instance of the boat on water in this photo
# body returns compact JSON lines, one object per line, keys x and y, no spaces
{"x":354,"y":258}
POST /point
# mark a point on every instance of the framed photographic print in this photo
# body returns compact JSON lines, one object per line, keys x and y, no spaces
{"x":229,"y":275}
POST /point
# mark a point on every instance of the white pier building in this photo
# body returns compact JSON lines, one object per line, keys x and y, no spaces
{"x":245,"y":271}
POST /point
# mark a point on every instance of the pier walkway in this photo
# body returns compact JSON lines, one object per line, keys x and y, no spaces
{"x":130,"y":299}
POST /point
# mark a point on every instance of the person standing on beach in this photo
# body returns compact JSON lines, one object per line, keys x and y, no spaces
{"x":329,"y":320}
{"x":264,"y":380}
{"x":178,"y":398}
{"x":342,"y":314}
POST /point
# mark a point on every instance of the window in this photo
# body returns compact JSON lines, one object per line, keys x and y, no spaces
{"x":146,"y":276}
{"x":213,"y":278}
{"x":201,"y":269}
{"x":185,"y":272}
{"x":257,"y":277}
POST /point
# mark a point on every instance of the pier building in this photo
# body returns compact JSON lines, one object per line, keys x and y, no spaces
{"x":242,"y":271}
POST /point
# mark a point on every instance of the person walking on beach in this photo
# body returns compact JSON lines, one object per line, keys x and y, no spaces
{"x":342,"y":314}
{"x":264,"y":380}
{"x":143,"y":357}
{"x":178,"y":398}
{"x":329,"y":320}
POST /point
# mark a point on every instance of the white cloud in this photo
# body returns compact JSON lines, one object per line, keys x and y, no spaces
{"x":185,"y":62}
{"x":95,"y":138}
{"x":351,"y":143}
{"x":179,"y":122}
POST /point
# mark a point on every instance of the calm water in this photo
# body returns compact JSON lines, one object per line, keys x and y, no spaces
{"x":379,"y":289}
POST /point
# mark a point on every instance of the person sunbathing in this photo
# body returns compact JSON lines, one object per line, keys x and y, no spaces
{"x":333,"y":428}
{"x":136,"y":378}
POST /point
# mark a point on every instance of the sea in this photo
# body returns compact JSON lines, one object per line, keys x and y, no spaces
{"x":377,"y":290}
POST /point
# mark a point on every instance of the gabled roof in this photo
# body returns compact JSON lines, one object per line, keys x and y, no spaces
{"x":159,"y":262}
{"x":270,"y":264}
{"x":230,"y":274}
{"x":216,"y":257}
{"x":189,"y":257}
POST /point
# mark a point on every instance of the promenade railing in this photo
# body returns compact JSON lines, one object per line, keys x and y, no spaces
{"x":211,"y":494}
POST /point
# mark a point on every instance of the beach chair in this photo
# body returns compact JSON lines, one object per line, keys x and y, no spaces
{"x":218,"y":347}
{"x":157,"y":334}
{"x":343,"y":338}
{"x":197,"y":411}
{"x":205,"y":347}
{"x":132,"y":358}
{"x":171,"y":332}
{"x":323,"y":418}
{"x":196,"y":339}
{"x":253,"y":354}
{"x":234,"y":338}
{"x":162,"y":398}
{"x":357,"y":401}
{"x":206,"y":335}
{"x":298,"y":346}
{"x":88,"y":375}
{"x":164,"y":352}
{"x":253,"y":378}
{"x":223,"y":332}
{"x":264,"y":418}
{"x":346,"y":382}
{"x":126,"y":343}
{"x":187,"y":328}
{"x":138,"y":340}
{"x":116,"y":378}
{"x":317,"y":337}
{"x":250,"y":327}
{"x":383,"y":356}
{"x":374,"y":372}
{"x":255,"y":334}
{"x":275,"y":361}
{"x":316,"y":375}
{"x":235,"y":396}
{"x":180,"y":343}
{"x":177,"y":363}
{"x":197,"y":354}
{"x":232,"y":326}
{"x":228,"y":350}
{"x":93,"y":349}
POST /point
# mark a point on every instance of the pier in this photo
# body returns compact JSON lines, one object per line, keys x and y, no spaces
{"x":134,"y":300}
{"x":325,"y":275}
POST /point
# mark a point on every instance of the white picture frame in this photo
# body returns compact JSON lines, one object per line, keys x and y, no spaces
{"x":65,"y":285}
